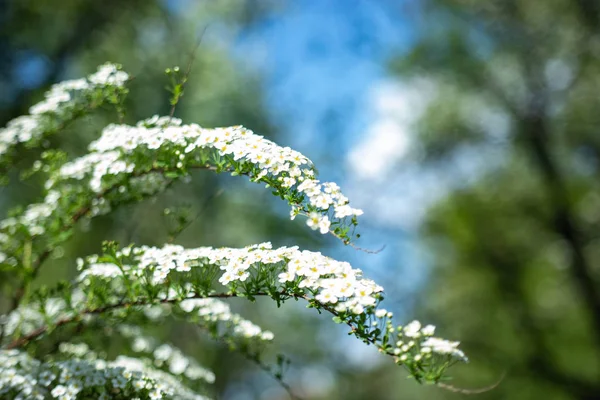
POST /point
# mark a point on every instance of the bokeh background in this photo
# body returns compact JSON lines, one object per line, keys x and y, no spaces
{"x":468,"y":131}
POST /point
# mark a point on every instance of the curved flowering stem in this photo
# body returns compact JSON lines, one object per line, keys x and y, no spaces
{"x":63,"y":103}
{"x":145,"y":275}
{"x":165,"y":143}
{"x":414,"y":329}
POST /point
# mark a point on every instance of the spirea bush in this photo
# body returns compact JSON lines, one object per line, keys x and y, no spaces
{"x":135,"y":287}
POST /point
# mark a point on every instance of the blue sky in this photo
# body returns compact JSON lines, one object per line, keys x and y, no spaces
{"x":319,"y":59}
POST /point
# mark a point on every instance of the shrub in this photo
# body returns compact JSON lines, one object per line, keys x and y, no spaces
{"x":134,"y":287}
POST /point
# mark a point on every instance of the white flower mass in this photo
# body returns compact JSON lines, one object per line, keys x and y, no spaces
{"x":57,"y":101}
{"x":78,"y":378}
{"x":331,"y":283}
{"x":111,"y":155}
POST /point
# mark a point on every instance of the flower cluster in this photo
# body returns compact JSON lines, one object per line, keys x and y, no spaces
{"x":63,"y":102}
{"x":33,"y":218}
{"x":22,"y":377}
{"x":332,"y":282}
{"x":214,"y":311}
{"x":280,"y":273}
{"x":213,"y":315}
{"x":33,"y":222}
{"x":121,"y":150}
{"x":28,"y":318}
{"x":418,"y":340}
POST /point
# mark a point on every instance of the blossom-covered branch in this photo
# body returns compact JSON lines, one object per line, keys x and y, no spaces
{"x":30,"y":322}
{"x":208,"y":314}
{"x":63,"y":103}
{"x":170,"y":274}
{"x":23,"y":377}
{"x":166,"y":146}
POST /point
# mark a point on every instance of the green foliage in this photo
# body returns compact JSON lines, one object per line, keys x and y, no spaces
{"x":515,"y":247}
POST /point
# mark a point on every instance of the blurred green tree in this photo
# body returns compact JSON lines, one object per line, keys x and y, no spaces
{"x":515,"y":249}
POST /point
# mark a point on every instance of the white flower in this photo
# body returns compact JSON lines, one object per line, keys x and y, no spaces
{"x":442,"y":346}
{"x":313,"y":221}
{"x":324,"y":225}
{"x":286,"y":277}
{"x":288,"y":182}
{"x":428,"y":330}
{"x":155,"y":394}
{"x":59,"y":390}
{"x":412,"y":329}
{"x":241,"y":275}
{"x":326,"y":296}
{"x":226,"y":278}
{"x":321,"y":201}
{"x":358,"y":309}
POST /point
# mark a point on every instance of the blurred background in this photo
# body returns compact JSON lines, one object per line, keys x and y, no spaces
{"x":467,"y":130}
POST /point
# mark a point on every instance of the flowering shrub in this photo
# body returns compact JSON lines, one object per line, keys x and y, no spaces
{"x":137,"y":286}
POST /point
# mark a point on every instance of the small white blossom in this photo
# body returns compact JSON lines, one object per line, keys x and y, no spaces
{"x":412,"y":329}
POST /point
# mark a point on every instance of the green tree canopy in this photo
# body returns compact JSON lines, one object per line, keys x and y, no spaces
{"x":516,"y":249}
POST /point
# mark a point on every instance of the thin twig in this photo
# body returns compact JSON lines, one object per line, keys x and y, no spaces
{"x":484,"y":389}
{"x":188,"y":71}
{"x":356,"y":247}
{"x":277,"y":377}
{"x":267,"y":369}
